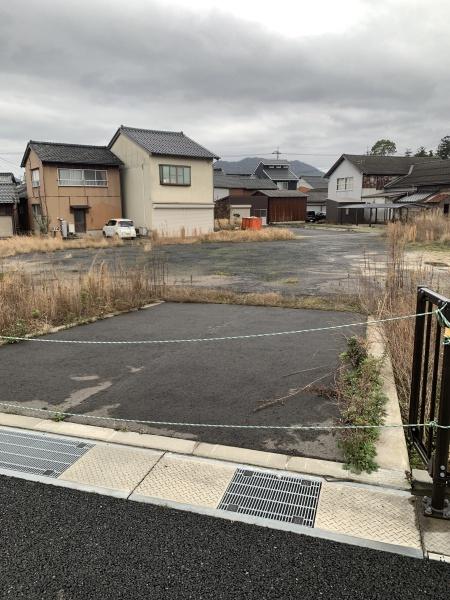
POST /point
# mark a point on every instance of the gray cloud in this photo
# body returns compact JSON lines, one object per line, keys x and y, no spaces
{"x":76,"y":73}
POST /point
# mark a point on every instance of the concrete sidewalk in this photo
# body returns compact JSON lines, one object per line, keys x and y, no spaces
{"x":351,"y":512}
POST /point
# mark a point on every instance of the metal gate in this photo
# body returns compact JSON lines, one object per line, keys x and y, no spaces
{"x":430,"y":395}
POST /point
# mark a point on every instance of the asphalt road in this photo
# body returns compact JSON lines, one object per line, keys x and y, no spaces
{"x":67,"y":545}
{"x":212,"y":382}
{"x":319,"y":262}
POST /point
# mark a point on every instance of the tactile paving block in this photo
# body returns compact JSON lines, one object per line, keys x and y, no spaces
{"x":187,"y":480}
{"x":369,"y":514}
{"x":435,"y":534}
{"x":112,"y":467}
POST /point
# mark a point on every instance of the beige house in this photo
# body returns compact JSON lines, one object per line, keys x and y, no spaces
{"x":77,"y":183}
{"x":167,"y":181}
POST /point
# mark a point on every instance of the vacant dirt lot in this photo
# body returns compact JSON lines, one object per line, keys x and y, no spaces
{"x":318,"y":262}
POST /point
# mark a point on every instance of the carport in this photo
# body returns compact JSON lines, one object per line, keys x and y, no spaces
{"x":361,"y":210}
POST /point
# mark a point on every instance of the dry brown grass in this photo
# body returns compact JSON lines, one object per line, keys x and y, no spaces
{"x":426,"y":227}
{"x":33,"y":304}
{"x":217,"y":296}
{"x":268,"y":234}
{"x":30,"y":304}
{"x":24,"y":244}
{"x":393,"y":291}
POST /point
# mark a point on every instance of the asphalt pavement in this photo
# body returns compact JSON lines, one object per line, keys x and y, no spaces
{"x":260,"y":381}
{"x":63,"y":544}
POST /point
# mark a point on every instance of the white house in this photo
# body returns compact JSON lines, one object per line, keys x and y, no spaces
{"x":356,"y":177}
{"x":167,"y":180}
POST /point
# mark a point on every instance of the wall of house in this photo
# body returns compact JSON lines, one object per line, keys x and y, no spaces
{"x":135,"y":180}
{"x":345,"y":169}
{"x":199,"y":192}
{"x":142,"y":190}
{"x":103,"y":203}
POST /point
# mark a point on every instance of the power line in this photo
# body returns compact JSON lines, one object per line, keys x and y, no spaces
{"x":252,"y":153}
{"x":8,"y":161}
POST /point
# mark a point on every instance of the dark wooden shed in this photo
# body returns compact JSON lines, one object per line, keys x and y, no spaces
{"x":280,"y":205}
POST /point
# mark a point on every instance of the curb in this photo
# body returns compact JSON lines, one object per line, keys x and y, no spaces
{"x":389,"y":478}
{"x":87,"y":321}
{"x":392,"y":452}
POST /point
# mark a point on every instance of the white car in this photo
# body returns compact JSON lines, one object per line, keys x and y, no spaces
{"x":122,"y":228}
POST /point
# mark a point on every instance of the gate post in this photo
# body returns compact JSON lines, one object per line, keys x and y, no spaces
{"x":439,"y":505}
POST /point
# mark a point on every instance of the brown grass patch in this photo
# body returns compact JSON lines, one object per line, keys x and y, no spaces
{"x":268,"y":234}
{"x":217,"y":296}
{"x":426,"y":227}
{"x":393,"y":291}
{"x":25,"y":244}
{"x":33,"y":304}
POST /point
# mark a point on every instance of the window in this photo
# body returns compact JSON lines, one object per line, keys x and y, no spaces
{"x":37,"y":210}
{"x":174,"y":175}
{"x":344,"y":184}
{"x":82,"y":177}
{"x":260,"y":212}
{"x":282,"y":185}
{"x":35,"y":181}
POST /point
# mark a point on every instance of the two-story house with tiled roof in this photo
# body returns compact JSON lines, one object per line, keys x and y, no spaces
{"x":73,"y":182}
{"x":360,"y":179}
{"x":425,"y":184}
{"x":279,"y":172}
{"x":8,"y":205}
{"x":167,"y":180}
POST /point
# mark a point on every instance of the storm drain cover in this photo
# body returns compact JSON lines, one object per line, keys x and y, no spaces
{"x":38,"y":454}
{"x":282,"y":498}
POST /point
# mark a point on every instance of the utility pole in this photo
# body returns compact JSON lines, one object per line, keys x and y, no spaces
{"x":277,"y":152}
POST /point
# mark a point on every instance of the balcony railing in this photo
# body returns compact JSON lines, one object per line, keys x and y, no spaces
{"x":83,"y":182}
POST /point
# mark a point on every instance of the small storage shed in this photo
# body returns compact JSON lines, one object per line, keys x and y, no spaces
{"x":272,"y":206}
{"x":279,"y":206}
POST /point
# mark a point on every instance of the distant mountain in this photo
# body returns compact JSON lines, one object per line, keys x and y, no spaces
{"x":248,"y":165}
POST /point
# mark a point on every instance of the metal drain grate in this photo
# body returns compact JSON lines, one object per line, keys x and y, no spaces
{"x":282,"y":498}
{"x":38,"y":454}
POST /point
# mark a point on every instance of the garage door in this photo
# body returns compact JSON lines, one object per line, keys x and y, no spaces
{"x":178,"y":220}
{"x":6,"y":227}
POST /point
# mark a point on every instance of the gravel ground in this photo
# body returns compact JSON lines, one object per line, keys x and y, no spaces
{"x":318,"y":262}
{"x":68,"y":545}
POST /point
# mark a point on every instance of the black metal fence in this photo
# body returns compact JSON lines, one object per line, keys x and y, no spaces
{"x":430,"y":395}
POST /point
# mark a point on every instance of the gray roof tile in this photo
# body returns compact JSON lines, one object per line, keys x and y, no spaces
{"x":8,"y":193}
{"x":283,"y":193}
{"x":277,"y":174}
{"x":370,"y":164}
{"x":165,"y":143}
{"x":222,"y":180}
{"x":431,"y":173}
{"x":317,"y":181}
{"x":74,"y":154}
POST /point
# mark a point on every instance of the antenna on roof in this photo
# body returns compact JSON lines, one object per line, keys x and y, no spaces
{"x":277,"y":152}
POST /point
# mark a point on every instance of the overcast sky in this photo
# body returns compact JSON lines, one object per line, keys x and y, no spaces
{"x":315,"y":78}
